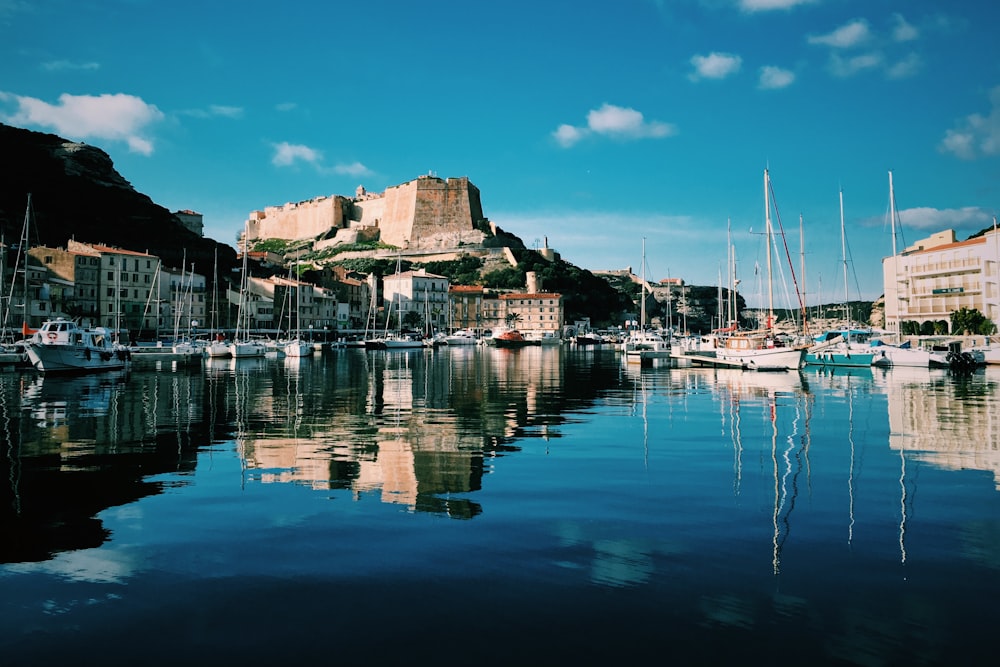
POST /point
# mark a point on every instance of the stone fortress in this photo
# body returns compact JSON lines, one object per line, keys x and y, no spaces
{"x":426,"y":214}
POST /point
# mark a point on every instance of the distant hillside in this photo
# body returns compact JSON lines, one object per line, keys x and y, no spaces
{"x":77,"y":193}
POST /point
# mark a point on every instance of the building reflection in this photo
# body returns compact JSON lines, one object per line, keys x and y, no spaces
{"x":943,"y":419}
{"x":422,"y":433}
{"x":75,"y":446}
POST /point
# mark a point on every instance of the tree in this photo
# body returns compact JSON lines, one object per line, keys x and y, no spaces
{"x":512,"y":318}
{"x":971,"y":321}
{"x":413,"y":319}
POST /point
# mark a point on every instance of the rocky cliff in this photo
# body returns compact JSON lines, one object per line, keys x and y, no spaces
{"x":77,"y":193}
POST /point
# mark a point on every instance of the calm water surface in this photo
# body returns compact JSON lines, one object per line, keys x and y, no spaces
{"x":485,"y":506}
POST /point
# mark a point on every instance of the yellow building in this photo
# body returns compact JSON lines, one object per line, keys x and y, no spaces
{"x":938,"y":275}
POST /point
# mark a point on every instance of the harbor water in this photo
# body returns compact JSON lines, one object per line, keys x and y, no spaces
{"x":475,"y":505}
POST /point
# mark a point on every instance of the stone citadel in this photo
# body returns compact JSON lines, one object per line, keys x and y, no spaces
{"x":427,"y":213}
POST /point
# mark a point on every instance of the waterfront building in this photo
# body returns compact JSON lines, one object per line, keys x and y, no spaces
{"x":534,"y":312}
{"x":466,"y":307}
{"x":124,"y":283}
{"x":938,"y":275}
{"x":420,"y":292}
{"x":313,"y":308}
{"x":73,"y":279}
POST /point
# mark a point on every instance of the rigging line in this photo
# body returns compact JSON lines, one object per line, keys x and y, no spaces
{"x":784,"y":243}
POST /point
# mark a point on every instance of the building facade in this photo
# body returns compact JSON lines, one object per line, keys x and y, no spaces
{"x":938,"y":275}
{"x":425,"y":294}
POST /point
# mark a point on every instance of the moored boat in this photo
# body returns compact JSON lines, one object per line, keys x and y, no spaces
{"x":511,"y":338}
{"x":62,"y":346}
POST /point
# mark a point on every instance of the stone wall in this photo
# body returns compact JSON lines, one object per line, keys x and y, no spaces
{"x":302,"y":220}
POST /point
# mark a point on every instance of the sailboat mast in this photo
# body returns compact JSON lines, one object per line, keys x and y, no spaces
{"x":843,"y":252}
{"x":802,"y":268}
{"x":767,"y":229}
{"x":895,"y":264}
{"x":642,"y":298}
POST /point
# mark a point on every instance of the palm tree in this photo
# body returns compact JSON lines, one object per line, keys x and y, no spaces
{"x":511,"y":319}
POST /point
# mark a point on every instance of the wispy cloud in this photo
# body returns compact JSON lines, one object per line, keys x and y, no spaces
{"x":856,"y":48}
{"x":69,"y":66}
{"x":847,"y":36}
{"x":616,"y":122}
{"x":214,"y":111}
{"x":843,"y":67}
{"x":285,"y":106}
{"x":118,"y":117}
{"x":715,"y":66}
{"x":902,"y":30}
{"x":286,"y":154}
{"x":968,"y":219}
{"x":774,"y":78}
{"x":352,"y":169}
{"x":976,"y":135}
{"x":771,"y":5}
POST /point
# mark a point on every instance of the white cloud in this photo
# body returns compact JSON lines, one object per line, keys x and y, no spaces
{"x":567,"y":135}
{"x":770,"y":5}
{"x":286,"y":106}
{"x":715,"y":66}
{"x":977,"y":135}
{"x":902,"y":31}
{"x":214,"y":111}
{"x":286,"y":154}
{"x":906,"y":67}
{"x":968,"y":218}
{"x":66,"y":65}
{"x":352,"y":169}
{"x":845,"y":67}
{"x":773,"y":78}
{"x":850,"y":35}
{"x":613,"y":121}
{"x":116,"y":117}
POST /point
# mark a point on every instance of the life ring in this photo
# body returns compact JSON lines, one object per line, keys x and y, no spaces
{"x":51,"y":335}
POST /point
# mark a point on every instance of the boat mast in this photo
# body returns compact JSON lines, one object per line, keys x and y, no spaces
{"x":843,"y":252}
{"x":802,"y":268}
{"x":642,"y":298}
{"x":767,"y":229}
{"x":895,"y":262}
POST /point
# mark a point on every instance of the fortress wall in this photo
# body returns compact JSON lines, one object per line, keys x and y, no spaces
{"x":368,"y":212}
{"x":304,"y":220}
{"x":396,"y":225}
{"x":445,"y":208}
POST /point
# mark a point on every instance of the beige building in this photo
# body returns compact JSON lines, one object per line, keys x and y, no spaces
{"x":125,"y":281}
{"x":76,"y":274}
{"x":466,"y":303}
{"x":181,"y":307}
{"x":938,"y":275}
{"x":420,"y":292}
{"x":540,"y":312}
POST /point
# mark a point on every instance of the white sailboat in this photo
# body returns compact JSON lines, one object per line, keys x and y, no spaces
{"x":847,"y":346}
{"x":296,"y":347}
{"x":243,"y":346}
{"x":642,"y":346}
{"x":761,"y":349}
{"x":217,"y":347}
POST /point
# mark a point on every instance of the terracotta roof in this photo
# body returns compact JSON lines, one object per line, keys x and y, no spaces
{"x":949,"y":246}
{"x":542,"y":295}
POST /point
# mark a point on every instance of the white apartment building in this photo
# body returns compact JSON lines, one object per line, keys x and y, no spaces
{"x":938,"y":275}
{"x":419,"y":291}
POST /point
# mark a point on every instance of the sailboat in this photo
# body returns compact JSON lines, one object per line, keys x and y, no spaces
{"x":217,"y":348}
{"x":242,"y":345}
{"x":762,"y":349}
{"x":296,"y":347}
{"x":898,"y":353}
{"x":847,"y":346}
{"x":642,"y":346}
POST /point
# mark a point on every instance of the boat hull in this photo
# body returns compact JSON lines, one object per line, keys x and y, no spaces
{"x":66,"y":358}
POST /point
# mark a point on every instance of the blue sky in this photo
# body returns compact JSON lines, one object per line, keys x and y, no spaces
{"x":593,"y":124}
